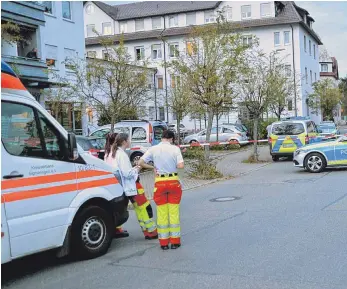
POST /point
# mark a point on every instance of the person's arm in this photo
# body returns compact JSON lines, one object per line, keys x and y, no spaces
{"x":180,"y":161}
{"x":147,"y":157}
{"x":128,"y":172}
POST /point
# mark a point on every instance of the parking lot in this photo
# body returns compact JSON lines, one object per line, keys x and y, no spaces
{"x":279,"y":227}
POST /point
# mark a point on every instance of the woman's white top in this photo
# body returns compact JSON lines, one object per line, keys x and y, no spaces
{"x":128,"y":174}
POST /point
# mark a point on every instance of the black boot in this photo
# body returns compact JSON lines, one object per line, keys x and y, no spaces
{"x":151,"y":237}
{"x":165,"y":247}
{"x":175,"y":246}
{"x":122,"y":234}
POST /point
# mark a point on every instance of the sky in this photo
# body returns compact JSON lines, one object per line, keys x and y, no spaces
{"x":331,"y":26}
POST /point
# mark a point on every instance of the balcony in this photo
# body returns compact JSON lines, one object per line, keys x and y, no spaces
{"x":29,"y":70}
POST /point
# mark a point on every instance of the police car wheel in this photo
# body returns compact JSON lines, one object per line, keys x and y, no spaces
{"x":275,"y":158}
{"x":315,"y":163}
{"x":92,"y":232}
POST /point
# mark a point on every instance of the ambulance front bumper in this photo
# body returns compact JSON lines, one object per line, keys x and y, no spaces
{"x":299,"y":158}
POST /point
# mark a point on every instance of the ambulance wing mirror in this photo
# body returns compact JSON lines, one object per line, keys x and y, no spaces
{"x":72,"y":146}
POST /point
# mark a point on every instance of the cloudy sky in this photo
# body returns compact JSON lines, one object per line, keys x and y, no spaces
{"x":331,"y":26}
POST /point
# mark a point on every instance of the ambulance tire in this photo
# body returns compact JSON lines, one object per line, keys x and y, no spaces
{"x":92,"y":233}
{"x":317,"y":157}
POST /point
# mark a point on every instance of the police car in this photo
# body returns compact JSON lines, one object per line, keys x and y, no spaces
{"x":316,"y":157}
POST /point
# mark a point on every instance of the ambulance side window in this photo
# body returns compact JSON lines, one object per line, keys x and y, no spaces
{"x":19,"y":131}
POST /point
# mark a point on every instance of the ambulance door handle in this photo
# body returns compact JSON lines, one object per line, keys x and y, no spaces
{"x":7,"y":177}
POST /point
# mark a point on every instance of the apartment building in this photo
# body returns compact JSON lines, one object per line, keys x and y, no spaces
{"x":56,"y":30}
{"x":281,"y":27}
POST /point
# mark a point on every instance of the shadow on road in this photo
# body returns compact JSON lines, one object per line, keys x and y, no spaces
{"x":30,"y":265}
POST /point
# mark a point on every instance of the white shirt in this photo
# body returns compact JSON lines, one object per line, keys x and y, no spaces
{"x":128,"y":174}
{"x":165,"y":157}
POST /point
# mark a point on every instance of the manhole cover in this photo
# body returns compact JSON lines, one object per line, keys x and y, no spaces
{"x":224,"y":199}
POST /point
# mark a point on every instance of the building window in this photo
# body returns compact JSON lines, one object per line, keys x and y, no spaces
{"x":105,"y":55}
{"x":90,"y":9}
{"x":91,"y":54}
{"x":174,"y":50}
{"x":290,"y":104}
{"x":286,"y":37}
{"x":156,"y":51}
{"x":140,"y":53}
{"x":70,"y":55}
{"x":66,"y":5}
{"x":191,"y":18}
{"x":324,"y":67}
{"x":311,"y":78}
{"x":48,"y":6}
{"x":306,"y":75}
{"x":314,"y":51}
{"x":305,"y":48}
{"x":309,"y":47}
{"x":156,"y":22}
{"x":288,"y":70}
{"x":90,"y":30}
{"x":151,"y":114}
{"x":175,"y":81}
{"x":228,"y":13}
{"x":210,"y":17}
{"x":265,"y":9}
{"x":315,"y":77}
{"x":139,"y":25}
{"x":123,"y":27}
{"x":160,"y":82}
{"x":173,"y":21}
{"x":246,"y":12}
{"x":277,"y":38}
{"x":106,"y":28}
{"x":161,"y":113}
{"x":247,"y":40}
{"x":51,"y":55}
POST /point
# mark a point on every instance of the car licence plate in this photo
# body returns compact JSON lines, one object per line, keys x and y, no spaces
{"x":288,"y":145}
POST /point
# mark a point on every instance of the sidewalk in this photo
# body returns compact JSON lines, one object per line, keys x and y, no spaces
{"x":228,"y":163}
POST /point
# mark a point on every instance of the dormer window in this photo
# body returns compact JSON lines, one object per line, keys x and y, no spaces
{"x":173,"y":21}
{"x":139,"y":25}
{"x":210,"y":17}
{"x":265,"y":9}
{"x":246,"y":12}
{"x":324,"y":67}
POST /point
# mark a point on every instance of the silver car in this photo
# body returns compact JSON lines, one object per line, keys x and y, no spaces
{"x":225,"y":134}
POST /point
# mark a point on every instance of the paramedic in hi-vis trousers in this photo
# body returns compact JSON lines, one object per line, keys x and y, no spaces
{"x":167,"y":158}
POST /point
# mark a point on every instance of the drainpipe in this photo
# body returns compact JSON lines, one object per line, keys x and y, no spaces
{"x":155,"y":93}
{"x":165,"y":72}
{"x":294,"y":71}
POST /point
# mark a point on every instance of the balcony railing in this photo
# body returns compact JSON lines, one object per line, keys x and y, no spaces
{"x":27,"y":68}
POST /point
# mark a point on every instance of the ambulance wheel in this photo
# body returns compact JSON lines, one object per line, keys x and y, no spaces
{"x":275,"y":158}
{"x":135,"y":158}
{"x":315,"y":163}
{"x":92,"y":232}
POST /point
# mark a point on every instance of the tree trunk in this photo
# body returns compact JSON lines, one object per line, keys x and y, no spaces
{"x":113,"y":121}
{"x":217,"y":126}
{"x":208,"y":133}
{"x":179,"y":130}
{"x":255,"y":138}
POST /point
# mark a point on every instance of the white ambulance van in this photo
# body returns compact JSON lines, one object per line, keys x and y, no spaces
{"x":53,"y":195}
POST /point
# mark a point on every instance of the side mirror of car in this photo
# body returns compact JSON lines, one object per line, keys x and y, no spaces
{"x":72,"y":146}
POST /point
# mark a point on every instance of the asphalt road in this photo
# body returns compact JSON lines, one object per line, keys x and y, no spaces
{"x":286,"y":229}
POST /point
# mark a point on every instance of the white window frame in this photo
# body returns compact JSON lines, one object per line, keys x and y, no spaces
{"x":247,"y":40}
{"x":175,"y":19}
{"x":262,"y":10}
{"x":142,"y":52}
{"x":125,"y":26}
{"x":156,"y":26}
{"x":176,"y":47}
{"x":93,"y":9}
{"x":143,"y":26}
{"x":91,"y":52}
{"x":324,"y":65}
{"x":279,"y":38}
{"x":284,"y":36}
{"x":70,"y":4}
{"x":103,"y":27}
{"x":42,"y":3}
{"x":71,"y":51}
{"x":210,"y":16}
{"x":162,"y":81}
{"x":191,"y":14}
{"x":53,"y":56}
{"x":248,"y":14}
{"x":159,"y":51}
{"x":92,"y":32}
{"x":228,"y":13}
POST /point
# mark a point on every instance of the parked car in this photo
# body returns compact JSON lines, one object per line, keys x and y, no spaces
{"x":183,"y":129}
{"x":142,"y":134}
{"x":327,"y":128}
{"x":226,"y":134}
{"x":239,"y":127}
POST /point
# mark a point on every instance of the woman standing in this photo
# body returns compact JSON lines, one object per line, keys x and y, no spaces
{"x":117,"y":157}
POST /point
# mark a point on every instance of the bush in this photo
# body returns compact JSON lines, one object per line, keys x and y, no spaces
{"x":205,"y":170}
{"x":193,"y":153}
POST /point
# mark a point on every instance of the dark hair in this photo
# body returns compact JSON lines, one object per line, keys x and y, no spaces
{"x":120,"y":139}
{"x":110,"y":138}
{"x":168,"y":134}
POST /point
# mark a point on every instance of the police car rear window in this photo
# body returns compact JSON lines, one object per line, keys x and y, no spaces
{"x":286,"y":128}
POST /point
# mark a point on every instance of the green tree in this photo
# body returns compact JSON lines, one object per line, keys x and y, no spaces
{"x":210,"y":66}
{"x":343,"y":88}
{"x":325,"y":98}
